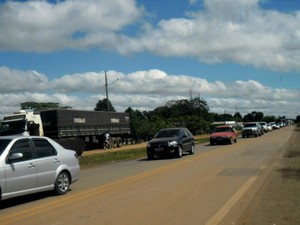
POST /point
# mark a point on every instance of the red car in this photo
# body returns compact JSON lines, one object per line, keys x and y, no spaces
{"x":223,"y":134}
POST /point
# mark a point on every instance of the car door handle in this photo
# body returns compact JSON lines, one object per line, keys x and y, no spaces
{"x":31,"y":165}
{"x":56,"y":161}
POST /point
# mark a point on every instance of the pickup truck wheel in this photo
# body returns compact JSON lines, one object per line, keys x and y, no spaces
{"x":179,"y":152}
{"x":62,"y":183}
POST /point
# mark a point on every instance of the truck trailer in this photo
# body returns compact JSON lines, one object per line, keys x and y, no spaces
{"x":74,"y":129}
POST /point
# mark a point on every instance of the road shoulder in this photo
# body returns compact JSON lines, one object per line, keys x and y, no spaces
{"x":278,"y":200}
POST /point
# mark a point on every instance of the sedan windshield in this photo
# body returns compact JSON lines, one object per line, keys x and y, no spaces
{"x":167,"y":133}
{"x":250,"y":125}
{"x":3,"y":145}
{"x":221,"y":129}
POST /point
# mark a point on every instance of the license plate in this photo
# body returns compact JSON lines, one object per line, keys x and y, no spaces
{"x":159,"y":149}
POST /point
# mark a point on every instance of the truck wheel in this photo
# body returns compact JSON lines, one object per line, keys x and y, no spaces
{"x":62,"y":183}
{"x":114,"y":142}
{"x":119,"y":142}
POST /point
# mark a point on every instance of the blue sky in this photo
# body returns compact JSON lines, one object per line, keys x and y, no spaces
{"x":236,"y":54}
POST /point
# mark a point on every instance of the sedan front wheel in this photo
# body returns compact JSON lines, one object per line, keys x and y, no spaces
{"x":179,"y":152}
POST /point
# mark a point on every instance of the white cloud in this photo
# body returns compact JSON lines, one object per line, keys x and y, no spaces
{"x":43,"y":27}
{"x":229,"y":31}
{"x":144,"y":90}
{"x":13,"y":80}
{"x":224,"y":31}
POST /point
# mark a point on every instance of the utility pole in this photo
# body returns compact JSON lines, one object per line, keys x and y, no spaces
{"x":106,"y":91}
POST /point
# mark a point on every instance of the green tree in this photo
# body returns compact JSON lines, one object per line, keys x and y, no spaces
{"x":269,"y":119}
{"x":298,"y":119}
{"x":237,"y":117}
{"x":254,"y":116}
{"x":104,"y":105}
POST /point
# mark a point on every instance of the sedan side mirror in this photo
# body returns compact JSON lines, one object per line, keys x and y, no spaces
{"x":15,"y":156}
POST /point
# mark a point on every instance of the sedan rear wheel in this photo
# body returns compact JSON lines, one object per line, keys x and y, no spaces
{"x":192,"y":151}
{"x":62,"y":183}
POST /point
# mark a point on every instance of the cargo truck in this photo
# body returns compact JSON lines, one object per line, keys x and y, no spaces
{"x":73,"y":129}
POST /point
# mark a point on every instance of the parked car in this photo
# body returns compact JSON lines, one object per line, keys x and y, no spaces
{"x":274,"y":125}
{"x":223,"y":134}
{"x":264,"y":126}
{"x":35,"y":164}
{"x":171,"y":142}
{"x":270,"y":128}
{"x":251,"y":129}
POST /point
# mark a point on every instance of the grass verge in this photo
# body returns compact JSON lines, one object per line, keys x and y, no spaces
{"x":98,"y":159}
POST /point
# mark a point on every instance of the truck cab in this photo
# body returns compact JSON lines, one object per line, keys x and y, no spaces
{"x":22,"y":123}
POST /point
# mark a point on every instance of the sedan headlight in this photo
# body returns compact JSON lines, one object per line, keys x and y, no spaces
{"x":148,"y":145}
{"x":172,"y":143}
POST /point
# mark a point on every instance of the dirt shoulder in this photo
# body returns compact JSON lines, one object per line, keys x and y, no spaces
{"x":278,"y":201}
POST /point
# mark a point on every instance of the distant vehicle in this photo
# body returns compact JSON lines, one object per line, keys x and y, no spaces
{"x":223,"y":134}
{"x":269,"y":126}
{"x":264,"y":126}
{"x":251,"y":129}
{"x":34,"y":164}
{"x":274,"y":125}
{"x":280,"y":124}
{"x":171,"y":142}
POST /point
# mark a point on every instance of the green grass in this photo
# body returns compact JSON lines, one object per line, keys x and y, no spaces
{"x":109,"y":157}
{"x":98,"y":159}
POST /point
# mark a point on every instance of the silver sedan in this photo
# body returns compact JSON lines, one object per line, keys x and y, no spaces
{"x":35,"y":164}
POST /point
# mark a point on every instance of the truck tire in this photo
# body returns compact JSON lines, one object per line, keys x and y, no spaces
{"x":119,"y":141}
{"x":114,"y":142}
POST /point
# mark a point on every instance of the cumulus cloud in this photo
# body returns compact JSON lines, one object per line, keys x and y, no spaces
{"x":143,"y":90}
{"x":230,"y":31}
{"x":44,"y":27}
{"x":13,"y":80}
{"x":223,"y":31}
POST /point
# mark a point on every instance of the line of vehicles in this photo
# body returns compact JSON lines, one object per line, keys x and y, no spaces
{"x":227,"y":134}
{"x":37,"y":157}
{"x":259,"y":128}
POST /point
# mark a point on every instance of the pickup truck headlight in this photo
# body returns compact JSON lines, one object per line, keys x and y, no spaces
{"x":172,"y":143}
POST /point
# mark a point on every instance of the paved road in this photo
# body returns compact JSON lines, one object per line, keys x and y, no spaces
{"x":214,"y":186}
